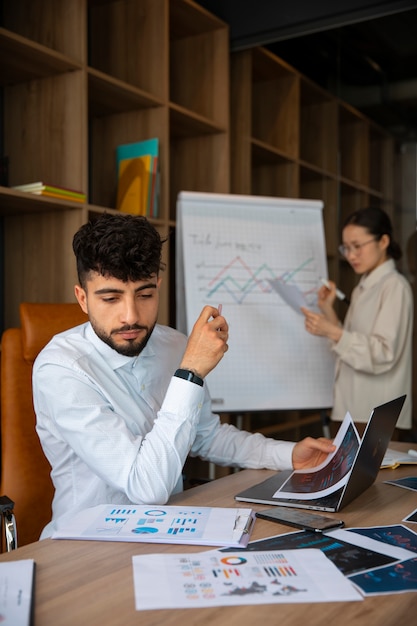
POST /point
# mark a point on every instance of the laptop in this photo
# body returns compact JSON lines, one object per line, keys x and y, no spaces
{"x":365,"y":467}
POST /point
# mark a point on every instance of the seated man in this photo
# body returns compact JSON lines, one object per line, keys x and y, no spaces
{"x":121,"y":401}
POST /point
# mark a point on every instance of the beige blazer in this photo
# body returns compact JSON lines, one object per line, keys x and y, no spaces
{"x":374,"y":354}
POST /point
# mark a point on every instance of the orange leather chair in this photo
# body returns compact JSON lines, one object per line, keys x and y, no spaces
{"x":25,"y":472}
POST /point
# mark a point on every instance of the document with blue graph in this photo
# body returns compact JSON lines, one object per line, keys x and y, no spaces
{"x":192,"y":525}
{"x":262,"y":259}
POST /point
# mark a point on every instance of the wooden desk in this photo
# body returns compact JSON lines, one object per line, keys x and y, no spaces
{"x":89,"y":583}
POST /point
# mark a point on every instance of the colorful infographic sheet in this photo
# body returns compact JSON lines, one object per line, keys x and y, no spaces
{"x":169,"y":581}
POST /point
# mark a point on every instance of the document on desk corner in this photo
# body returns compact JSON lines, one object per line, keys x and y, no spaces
{"x":16,"y":592}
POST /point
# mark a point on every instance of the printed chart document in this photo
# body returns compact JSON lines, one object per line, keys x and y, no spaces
{"x":209,"y":526}
{"x":205,"y":579}
{"x":408,"y":482}
{"x":412,"y":517}
{"x":16,"y":592}
{"x":331,"y":475}
{"x":376,"y":559}
{"x":399,"y":577}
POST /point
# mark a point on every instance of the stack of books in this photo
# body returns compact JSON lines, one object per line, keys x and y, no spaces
{"x":138,"y":178}
{"x":52,"y":191}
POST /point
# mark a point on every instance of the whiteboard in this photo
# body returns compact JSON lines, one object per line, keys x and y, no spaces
{"x":231,"y":250}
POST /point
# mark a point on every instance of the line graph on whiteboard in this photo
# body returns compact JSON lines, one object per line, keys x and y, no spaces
{"x":236,"y":282}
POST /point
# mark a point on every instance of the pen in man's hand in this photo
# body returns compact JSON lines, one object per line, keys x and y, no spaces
{"x":339,"y":294}
{"x":219,"y":308}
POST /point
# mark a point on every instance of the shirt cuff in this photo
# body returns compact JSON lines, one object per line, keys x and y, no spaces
{"x":343,"y":344}
{"x":183,"y":398}
{"x":280,"y":454}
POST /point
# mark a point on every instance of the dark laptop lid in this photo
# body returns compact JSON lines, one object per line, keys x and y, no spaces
{"x":374,"y":444}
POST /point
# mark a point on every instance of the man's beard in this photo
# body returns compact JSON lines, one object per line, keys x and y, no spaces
{"x":131,"y":348}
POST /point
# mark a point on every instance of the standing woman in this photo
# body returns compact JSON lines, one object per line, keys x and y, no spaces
{"x":373,"y":347}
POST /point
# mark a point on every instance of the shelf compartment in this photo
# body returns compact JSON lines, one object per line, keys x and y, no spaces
{"x":198,"y":62}
{"x":318,"y":128}
{"x":108,"y":95}
{"x":275,"y":103}
{"x":39,"y":261}
{"x":351,"y":199}
{"x":273,"y":174}
{"x":354,"y":146}
{"x":316,"y":186}
{"x":110,"y":131}
{"x":381,"y":156}
{"x":46,"y":118}
{"x":59,"y":26}
{"x":127,"y":40}
{"x":22,"y":60}
{"x":199,"y":163}
{"x":185,"y":123}
{"x":189,"y":19}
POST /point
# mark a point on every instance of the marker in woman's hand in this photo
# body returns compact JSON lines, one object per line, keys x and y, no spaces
{"x":339,"y":294}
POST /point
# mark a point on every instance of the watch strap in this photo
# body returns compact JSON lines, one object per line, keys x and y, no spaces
{"x":189,"y":375}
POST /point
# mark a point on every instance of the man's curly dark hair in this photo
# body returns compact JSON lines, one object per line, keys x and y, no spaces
{"x":126,"y":247}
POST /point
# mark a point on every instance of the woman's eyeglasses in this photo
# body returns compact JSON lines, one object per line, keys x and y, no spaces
{"x":355,"y":248}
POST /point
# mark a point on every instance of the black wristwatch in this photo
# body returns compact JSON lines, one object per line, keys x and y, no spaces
{"x":189,"y":375}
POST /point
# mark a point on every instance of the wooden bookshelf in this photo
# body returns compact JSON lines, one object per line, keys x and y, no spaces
{"x":79,"y":78}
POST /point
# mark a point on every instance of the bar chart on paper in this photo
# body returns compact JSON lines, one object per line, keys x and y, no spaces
{"x":261,"y":258}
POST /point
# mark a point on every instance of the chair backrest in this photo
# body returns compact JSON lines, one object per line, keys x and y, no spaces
{"x":25,"y":472}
